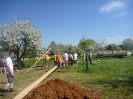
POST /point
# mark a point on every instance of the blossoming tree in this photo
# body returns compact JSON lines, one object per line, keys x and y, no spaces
{"x":127,"y":44}
{"x":20,"y":36}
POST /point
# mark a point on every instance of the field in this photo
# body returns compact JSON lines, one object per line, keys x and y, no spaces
{"x":111,"y":78}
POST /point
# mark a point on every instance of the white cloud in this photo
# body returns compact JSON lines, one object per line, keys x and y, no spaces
{"x":115,"y":40}
{"x":112,"y":6}
{"x":119,"y":15}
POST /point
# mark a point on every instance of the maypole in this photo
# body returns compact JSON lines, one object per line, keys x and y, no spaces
{"x":38,"y":60}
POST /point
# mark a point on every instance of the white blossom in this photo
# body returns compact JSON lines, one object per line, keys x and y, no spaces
{"x":13,"y":34}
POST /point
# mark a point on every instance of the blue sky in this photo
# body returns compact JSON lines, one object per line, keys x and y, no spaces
{"x":67,"y":21}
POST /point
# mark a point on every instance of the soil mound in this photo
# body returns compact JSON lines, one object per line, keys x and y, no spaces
{"x":60,"y":89}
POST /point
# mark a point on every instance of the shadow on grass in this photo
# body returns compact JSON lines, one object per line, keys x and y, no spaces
{"x":1,"y":90}
{"x":119,"y":83}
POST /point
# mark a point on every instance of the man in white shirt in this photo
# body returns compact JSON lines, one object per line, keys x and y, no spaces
{"x":9,"y":72}
{"x":90,"y":57}
{"x":65,"y":58}
{"x":75,"y":55}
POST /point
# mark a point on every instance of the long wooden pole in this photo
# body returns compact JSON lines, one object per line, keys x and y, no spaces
{"x":23,"y":93}
{"x":38,"y":60}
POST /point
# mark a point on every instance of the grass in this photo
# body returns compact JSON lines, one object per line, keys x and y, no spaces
{"x":111,"y":78}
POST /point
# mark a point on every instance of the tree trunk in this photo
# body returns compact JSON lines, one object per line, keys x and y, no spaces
{"x":83,"y":58}
{"x":126,"y":51}
{"x":97,"y":54}
{"x":86,"y":61}
{"x":112,"y":52}
{"x":18,"y":58}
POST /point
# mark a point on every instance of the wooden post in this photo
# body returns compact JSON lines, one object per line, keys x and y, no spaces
{"x":84,"y":57}
{"x":38,"y":60}
{"x":86,"y":61}
{"x":23,"y":93}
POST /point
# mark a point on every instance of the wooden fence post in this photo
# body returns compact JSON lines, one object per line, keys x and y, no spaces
{"x":86,"y":60}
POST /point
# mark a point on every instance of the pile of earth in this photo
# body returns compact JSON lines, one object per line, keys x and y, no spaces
{"x":60,"y":89}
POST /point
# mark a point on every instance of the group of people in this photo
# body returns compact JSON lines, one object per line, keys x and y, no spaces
{"x":9,"y":70}
{"x":62,"y":60}
{"x":65,"y":59}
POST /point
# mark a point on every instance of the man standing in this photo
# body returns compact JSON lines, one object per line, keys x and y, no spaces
{"x":75,"y":55}
{"x":59,"y":61}
{"x":9,"y":72}
{"x":65,"y":58}
{"x":90,"y":57}
{"x":47,"y":60}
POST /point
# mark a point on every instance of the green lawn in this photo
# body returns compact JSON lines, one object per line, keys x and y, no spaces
{"x":111,"y":78}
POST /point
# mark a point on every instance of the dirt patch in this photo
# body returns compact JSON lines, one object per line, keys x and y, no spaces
{"x":60,"y":89}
